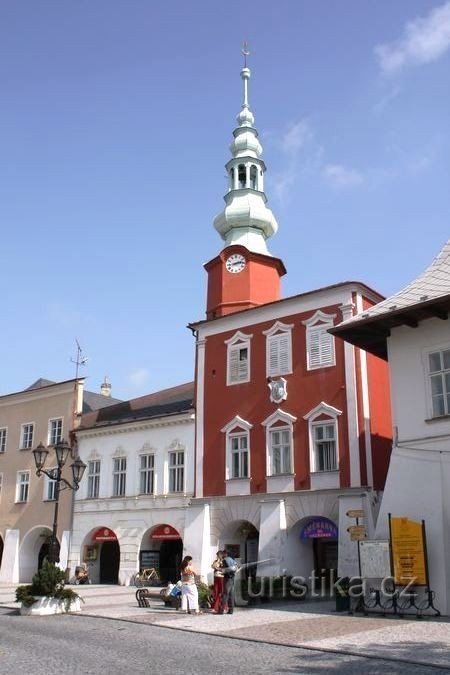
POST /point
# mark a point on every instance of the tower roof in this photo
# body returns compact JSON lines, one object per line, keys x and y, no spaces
{"x":246,"y":219}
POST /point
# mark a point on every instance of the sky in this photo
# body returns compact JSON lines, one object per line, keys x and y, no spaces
{"x":115,"y":123}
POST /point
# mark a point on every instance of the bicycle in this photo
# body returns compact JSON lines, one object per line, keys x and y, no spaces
{"x":146,"y":577}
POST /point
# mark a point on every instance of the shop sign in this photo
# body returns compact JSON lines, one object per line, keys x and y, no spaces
{"x":408,"y":552}
{"x":357,"y":532}
{"x":164,"y":533}
{"x":103,"y":534}
{"x":319,"y":528}
{"x":355,"y":513}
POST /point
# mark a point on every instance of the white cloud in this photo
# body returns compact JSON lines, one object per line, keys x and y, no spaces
{"x":139,"y":377}
{"x":424,"y":39}
{"x":296,"y":136}
{"x":342,"y":177}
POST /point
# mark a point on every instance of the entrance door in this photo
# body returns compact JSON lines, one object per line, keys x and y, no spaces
{"x":325,"y":559}
{"x":109,"y":562}
{"x":170,"y":556}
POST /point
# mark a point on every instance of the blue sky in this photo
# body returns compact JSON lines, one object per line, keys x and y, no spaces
{"x":116,"y":118}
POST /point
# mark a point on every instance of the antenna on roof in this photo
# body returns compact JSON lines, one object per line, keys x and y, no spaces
{"x":80,"y":360}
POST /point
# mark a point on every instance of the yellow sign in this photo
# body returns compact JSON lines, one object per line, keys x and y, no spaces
{"x":408,"y":552}
{"x":357,"y":532}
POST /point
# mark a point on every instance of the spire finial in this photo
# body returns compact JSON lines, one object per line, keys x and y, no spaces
{"x":245,"y":51}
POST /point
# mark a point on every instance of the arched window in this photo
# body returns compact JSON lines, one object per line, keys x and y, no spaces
{"x":253,"y":177}
{"x":241,"y":176}
{"x":232,"y":179}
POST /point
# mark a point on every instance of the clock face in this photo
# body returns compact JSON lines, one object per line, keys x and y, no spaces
{"x":235,"y":263}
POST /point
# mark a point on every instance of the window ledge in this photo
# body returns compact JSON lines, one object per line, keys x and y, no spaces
{"x":235,"y":487}
{"x":430,"y":420}
{"x":322,"y":365}
{"x":320,"y":472}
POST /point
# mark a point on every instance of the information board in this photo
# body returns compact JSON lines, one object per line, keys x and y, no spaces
{"x":375,"y":559}
{"x":408,"y":552}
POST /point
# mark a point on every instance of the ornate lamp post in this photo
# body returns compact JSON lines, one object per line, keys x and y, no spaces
{"x":62,"y":451}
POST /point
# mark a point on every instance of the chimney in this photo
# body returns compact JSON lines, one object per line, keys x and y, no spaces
{"x":105,"y":388}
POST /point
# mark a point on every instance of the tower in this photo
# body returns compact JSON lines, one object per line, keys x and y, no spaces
{"x":244,"y":274}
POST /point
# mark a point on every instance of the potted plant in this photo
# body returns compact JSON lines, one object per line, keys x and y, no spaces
{"x":47,"y":593}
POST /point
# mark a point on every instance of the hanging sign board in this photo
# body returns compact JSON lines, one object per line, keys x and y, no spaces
{"x":357,"y":532}
{"x":103,"y":534}
{"x":408,"y":552}
{"x":319,"y":528}
{"x":355,"y":513}
{"x":375,"y":559}
{"x":164,"y":533}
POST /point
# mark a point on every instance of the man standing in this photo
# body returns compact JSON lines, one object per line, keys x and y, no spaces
{"x":229,"y":569}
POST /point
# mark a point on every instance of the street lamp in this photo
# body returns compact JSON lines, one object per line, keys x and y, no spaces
{"x":62,"y":451}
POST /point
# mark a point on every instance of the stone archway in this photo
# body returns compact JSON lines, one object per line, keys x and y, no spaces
{"x":241,"y":540}
{"x":32,"y":550}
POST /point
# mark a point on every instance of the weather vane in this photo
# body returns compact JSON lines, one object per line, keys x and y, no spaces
{"x":245,"y":51}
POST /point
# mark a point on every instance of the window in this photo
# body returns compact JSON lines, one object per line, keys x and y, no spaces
{"x":253,"y":177}
{"x":55,"y":431}
{"x":176,"y":471}
{"x":3,"y":436}
{"x":280,"y":451}
{"x":325,"y":447}
{"x":319,"y":342}
{"x":93,"y":484}
{"x":237,"y":441}
{"x":242,"y":176}
{"x":147,"y":475}
{"x":22,"y":486}
{"x":439,"y":369}
{"x":280,"y":445}
{"x":26,"y":441}
{"x":323,"y":437}
{"x":50,"y":488}
{"x":239,"y":455}
{"x":279,"y":349}
{"x":238,"y":358}
{"x":119,"y":476}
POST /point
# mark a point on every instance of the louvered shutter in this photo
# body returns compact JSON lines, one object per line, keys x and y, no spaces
{"x":326,"y":347}
{"x":243,"y":364}
{"x":233,"y":364}
{"x":284,"y":343}
{"x":273,"y":355}
{"x":314,"y":348}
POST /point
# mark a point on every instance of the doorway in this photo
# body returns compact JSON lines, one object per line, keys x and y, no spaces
{"x":109,"y":562}
{"x":170,"y":556}
{"x":325,"y":561}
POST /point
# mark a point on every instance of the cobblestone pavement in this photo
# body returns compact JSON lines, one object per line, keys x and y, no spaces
{"x":311,"y":625}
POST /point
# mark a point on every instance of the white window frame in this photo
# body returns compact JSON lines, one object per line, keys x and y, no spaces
{"x":147,"y":473}
{"x":50,"y":487}
{"x":236,"y":428}
{"x":279,"y":349}
{"x":328,"y":414}
{"x":119,"y":487}
{"x":317,"y":328}
{"x":93,"y":478}
{"x":22,"y":486}
{"x":443,"y":372}
{"x":3,"y":439}
{"x":176,"y":474}
{"x":52,"y":421}
{"x":279,"y":421}
{"x":29,"y":443}
{"x":238,"y":342}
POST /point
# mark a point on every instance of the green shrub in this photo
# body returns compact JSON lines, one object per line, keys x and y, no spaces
{"x":49,"y":581}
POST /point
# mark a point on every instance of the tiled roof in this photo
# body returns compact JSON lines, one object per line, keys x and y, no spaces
{"x":161,"y":403}
{"x":91,"y":400}
{"x":427,"y":296}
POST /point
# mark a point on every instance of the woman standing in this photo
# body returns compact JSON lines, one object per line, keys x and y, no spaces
{"x":189,"y":593}
{"x":218,"y":581}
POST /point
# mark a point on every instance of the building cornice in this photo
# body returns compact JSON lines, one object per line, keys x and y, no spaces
{"x":125,"y":427}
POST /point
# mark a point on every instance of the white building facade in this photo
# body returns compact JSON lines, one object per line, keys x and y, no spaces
{"x":130,"y":510}
{"x":412,"y":330}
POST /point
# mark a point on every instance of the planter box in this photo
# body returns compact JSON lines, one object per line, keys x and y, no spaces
{"x":45,"y":606}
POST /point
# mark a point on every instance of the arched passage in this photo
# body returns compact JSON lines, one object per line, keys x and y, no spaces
{"x":312,"y":548}
{"x":101,"y":552}
{"x":162,"y":548}
{"x":241,"y":539}
{"x":33,"y":549}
